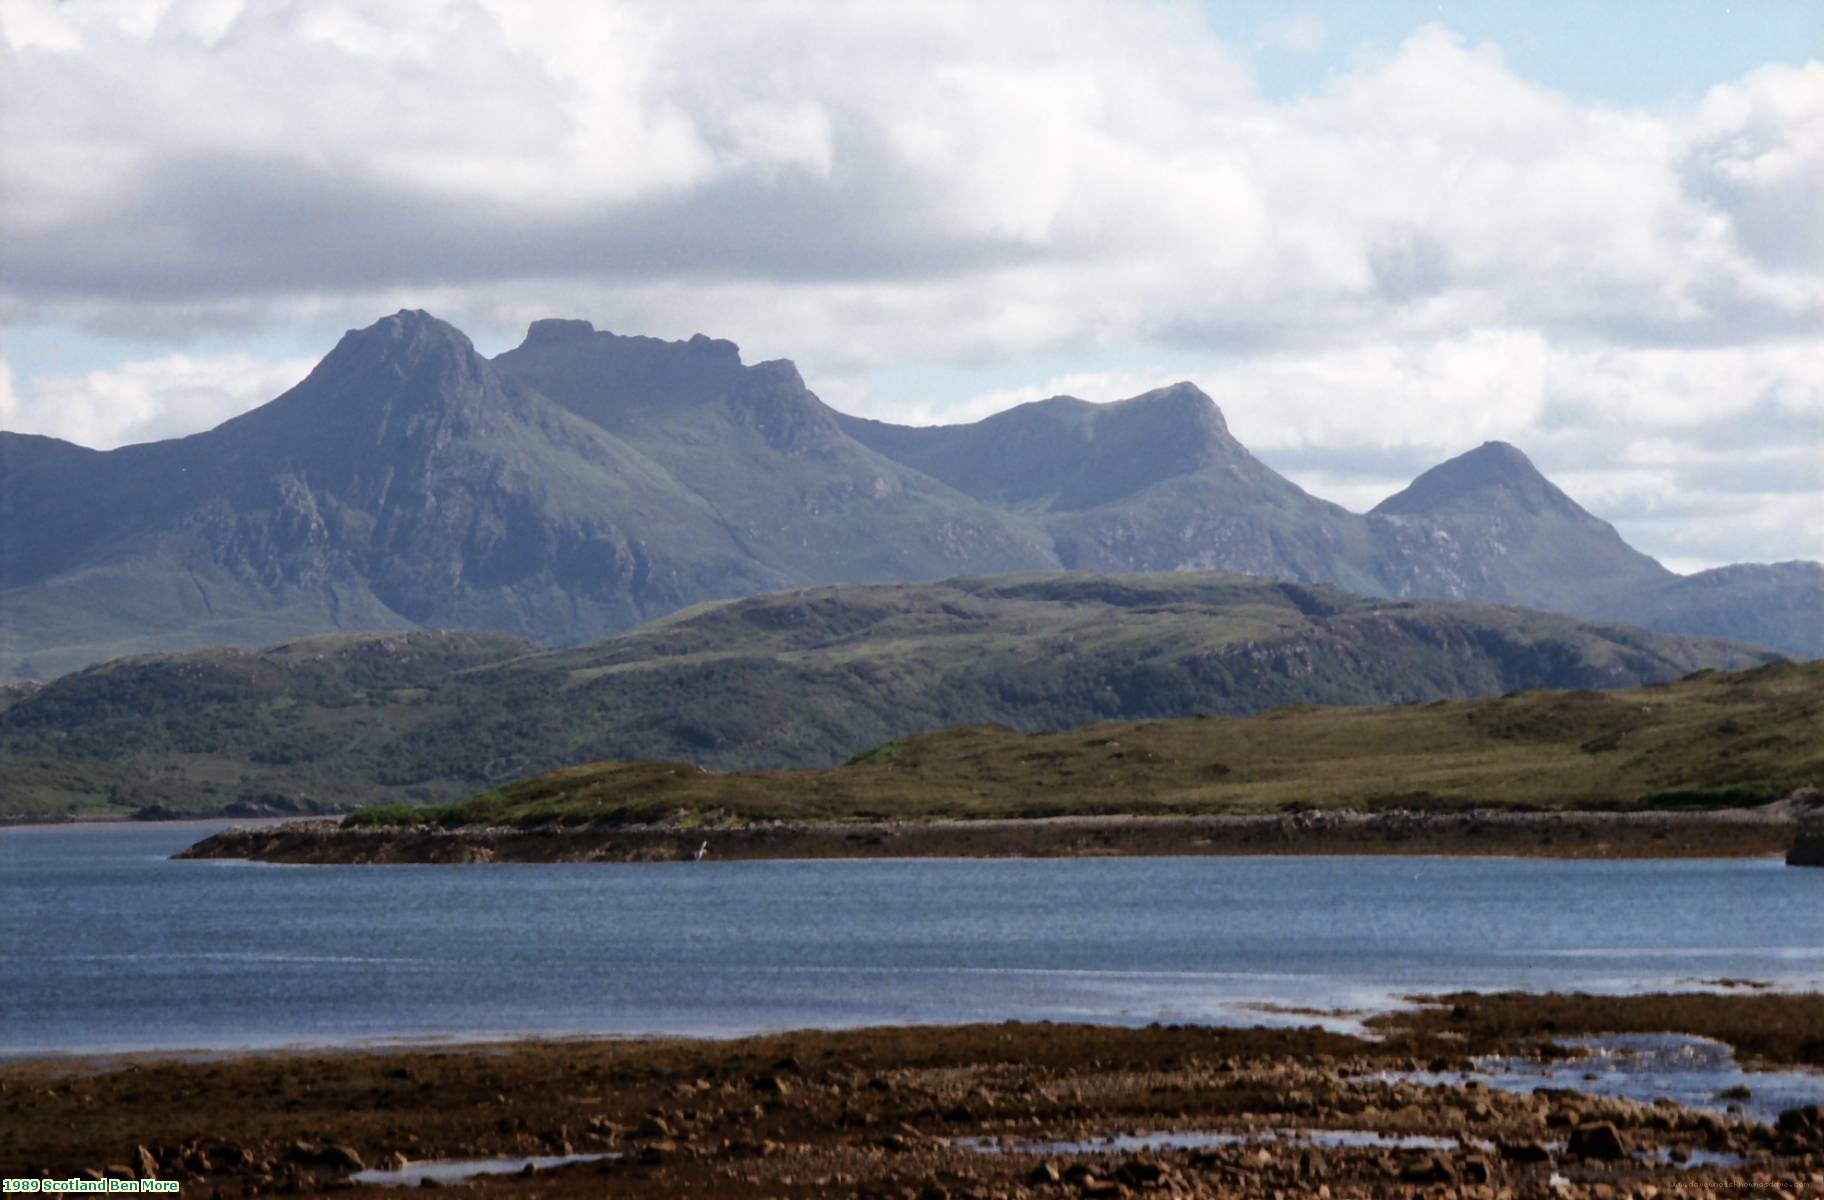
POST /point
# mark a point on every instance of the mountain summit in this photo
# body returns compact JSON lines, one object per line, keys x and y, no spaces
{"x":1494,"y":477}
{"x":587,"y":481}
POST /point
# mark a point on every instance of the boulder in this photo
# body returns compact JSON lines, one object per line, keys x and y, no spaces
{"x":1599,"y":1140}
{"x":1807,"y":849}
{"x":1525,"y":1152}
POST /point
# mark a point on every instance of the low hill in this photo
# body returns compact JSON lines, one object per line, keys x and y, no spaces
{"x":795,"y":679}
{"x":1711,"y":740}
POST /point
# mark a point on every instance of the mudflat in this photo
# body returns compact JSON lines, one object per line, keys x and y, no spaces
{"x":954,"y":1112}
{"x":1769,"y":830}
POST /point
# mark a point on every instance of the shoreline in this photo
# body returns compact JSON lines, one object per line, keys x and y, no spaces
{"x":971,"y":1110}
{"x":1737,"y":833}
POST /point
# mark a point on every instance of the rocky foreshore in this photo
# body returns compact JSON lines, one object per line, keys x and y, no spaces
{"x":1733,"y":833}
{"x":984,"y":1111}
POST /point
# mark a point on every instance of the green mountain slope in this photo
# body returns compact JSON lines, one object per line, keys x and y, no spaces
{"x":1714,"y":739}
{"x":796,"y":679}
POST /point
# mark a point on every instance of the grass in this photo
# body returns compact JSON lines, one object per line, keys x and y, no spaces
{"x":1712,"y":740}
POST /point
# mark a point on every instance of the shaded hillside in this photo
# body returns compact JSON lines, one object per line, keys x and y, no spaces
{"x":1710,"y":740}
{"x":797,"y":679}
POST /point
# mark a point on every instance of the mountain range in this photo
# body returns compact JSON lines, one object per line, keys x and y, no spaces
{"x":585,"y":483}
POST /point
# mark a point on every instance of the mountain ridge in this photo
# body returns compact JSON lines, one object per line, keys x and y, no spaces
{"x":585,"y":482}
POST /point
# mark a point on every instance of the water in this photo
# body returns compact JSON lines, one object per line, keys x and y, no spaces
{"x":1644,"y":1067}
{"x":106,"y":944}
{"x":461,"y":1170}
{"x":1132,"y":1143}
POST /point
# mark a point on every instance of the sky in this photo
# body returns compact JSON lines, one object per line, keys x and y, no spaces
{"x":1378,"y":234}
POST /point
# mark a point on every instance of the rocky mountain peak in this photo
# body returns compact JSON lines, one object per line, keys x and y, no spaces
{"x":555,"y":331}
{"x":1493,"y":477}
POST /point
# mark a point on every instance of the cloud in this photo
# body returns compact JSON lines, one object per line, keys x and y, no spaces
{"x":1430,"y":251}
{"x":144,"y":399}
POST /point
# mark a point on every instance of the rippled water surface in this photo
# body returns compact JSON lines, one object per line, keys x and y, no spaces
{"x":108,"y":944}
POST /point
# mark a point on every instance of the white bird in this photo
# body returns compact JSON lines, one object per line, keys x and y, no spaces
{"x":701,"y":851}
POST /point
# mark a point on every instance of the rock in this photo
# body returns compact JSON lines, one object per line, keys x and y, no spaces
{"x":1524,"y":1152}
{"x":1045,"y":1172}
{"x":145,"y":1162}
{"x":1428,"y":1168}
{"x":653,"y":1127}
{"x":1140,"y":1173}
{"x":1808,"y":849}
{"x":1600,"y":1140}
{"x":1807,"y":1121}
{"x":658,"y":1151}
{"x":342,"y":1158}
{"x":772,"y":1085}
{"x":1477,"y":1169}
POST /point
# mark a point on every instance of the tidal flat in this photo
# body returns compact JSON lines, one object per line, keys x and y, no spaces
{"x":991,"y":1110}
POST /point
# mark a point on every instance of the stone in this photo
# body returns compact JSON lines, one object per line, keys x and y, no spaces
{"x":1600,"y":1140}
{"x":1428,"y":1168}
{"x":1524,"y":1152}
{"x":342,"y":1158}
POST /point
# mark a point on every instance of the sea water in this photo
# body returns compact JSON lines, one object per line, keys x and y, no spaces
{"x":107,"y":944}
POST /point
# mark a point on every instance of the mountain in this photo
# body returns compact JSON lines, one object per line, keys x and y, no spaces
{"x":770,"y":458}
{"x":801,"y":678}
{"x":409,"y":483}
{"x":1488,"y":526}
{"x":1155,"y":483}
{"x":586,"y":482}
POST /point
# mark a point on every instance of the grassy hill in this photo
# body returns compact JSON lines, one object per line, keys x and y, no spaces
{"x":1711,"y":740}
{"x":798,"y":679}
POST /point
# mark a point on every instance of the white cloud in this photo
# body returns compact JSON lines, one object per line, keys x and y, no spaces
{"x":144,"y":400}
